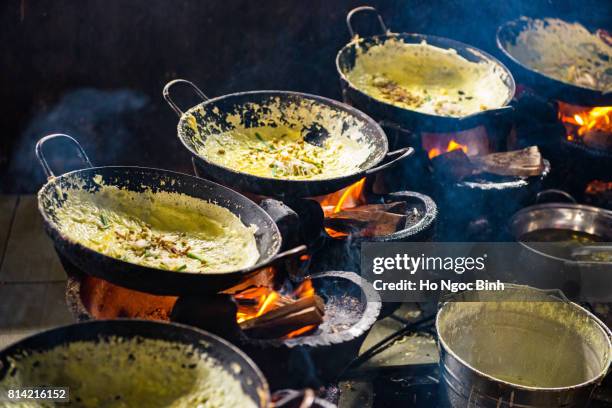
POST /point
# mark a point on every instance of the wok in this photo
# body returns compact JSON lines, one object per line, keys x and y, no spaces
{"x":229,"y":357}
{"x":211,"y":116}
{"x":407,"y":118}
{"x":547,"y":86}
{"x":142,"y":278}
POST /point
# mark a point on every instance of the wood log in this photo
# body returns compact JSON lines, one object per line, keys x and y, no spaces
{"x":285,"y":313}
{"x":366,"y":223}
{"x":522,"y":163}
{"x":396,"y":207}
{"x":454,"y":165}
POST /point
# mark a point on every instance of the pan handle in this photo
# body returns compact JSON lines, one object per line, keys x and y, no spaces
{"x":298,"y":250}
{"x":401,"y":155}
{"x":356,"y":10}
{"x":290,"y":397}
{"x":551,"y":192}
{"x":43,"y":160}
{"x":504,"y":110}
{"x":173,"y":105}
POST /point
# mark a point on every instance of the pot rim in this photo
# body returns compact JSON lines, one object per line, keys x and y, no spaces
{"x":604,"y":371}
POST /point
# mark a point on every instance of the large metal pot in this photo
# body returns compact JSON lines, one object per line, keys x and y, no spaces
{"x":580,"y":279}
{"x":407,"y":118}
{"x":521,"y":347}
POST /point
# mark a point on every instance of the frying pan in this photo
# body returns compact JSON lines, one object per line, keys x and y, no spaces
{"x":142,"y":278}
{"x":408,"y":118}
{"x":235,"y":362}
{"x":211,"y":116}
{"x":507,"y":34}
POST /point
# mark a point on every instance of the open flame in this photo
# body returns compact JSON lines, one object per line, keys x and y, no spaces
{"x":349,"y":197}
{"x":452,"y":145}
{"x":473,"y":142}
{"x":257,"y":301}
{"x":586,"y":123}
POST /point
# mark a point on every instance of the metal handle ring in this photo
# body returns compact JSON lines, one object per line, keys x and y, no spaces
{"x":173,"y":105}
{"x":307,"y":397}
{"x":553,"y":191}
{"x":43,"y":160}
{"x":401,"y":155}
{"x":356,"y":10}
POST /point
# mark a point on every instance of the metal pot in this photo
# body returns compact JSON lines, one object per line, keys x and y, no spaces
{"x":521,"y":347}
{"x":580,"y":279}
{"x":407,"y":118}
{"x":212,"y":114}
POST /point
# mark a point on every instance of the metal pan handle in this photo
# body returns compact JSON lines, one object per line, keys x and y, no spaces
{"x":298,"y":250}
{"x":173,"y":105}
{"x":504,"y":110}
{"x":288,"y":397}
{"x":43,"y":161}
{"x":550,"y":192}
{"x":356,"y":10}
{"x":401,"y":155}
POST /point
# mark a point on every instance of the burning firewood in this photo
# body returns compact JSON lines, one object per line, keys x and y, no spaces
{"x":292,"y":316}
{"x":456,"y":165}
{"x":397,"y":207}
{"x":453,"y":165}
{"x":523,"y":163}
{"x":369,"y":222}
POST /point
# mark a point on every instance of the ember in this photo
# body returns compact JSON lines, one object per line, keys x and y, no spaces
{"x":347,"y":213}
{"x":265,"y":312}
{"x":592,"y":126}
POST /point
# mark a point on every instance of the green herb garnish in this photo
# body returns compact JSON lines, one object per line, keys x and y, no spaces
{"x":181,"y":268}
{"x":104,"y":221}
{"x":196,"y":257}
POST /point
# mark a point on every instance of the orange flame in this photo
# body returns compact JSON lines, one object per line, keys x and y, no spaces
{"x":580,"y":121}
{"x":452,"y":145}
{"x":255,"y":302}
{"x":349,"y":197}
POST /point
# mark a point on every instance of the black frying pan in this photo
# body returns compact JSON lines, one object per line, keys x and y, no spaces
{"x":227,"y":356}
{"x":137,"y":277}
{"x":546,"y":86}
{"x":407,"y":118}
{"x":248,"y":106}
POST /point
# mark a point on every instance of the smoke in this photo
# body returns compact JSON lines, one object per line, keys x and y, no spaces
{"x":97,"y":119}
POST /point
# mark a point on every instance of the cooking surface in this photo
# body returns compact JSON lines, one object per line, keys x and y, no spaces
{"x":462,"y":184}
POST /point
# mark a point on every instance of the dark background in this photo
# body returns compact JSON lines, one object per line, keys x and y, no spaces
{"x":95,"y":68}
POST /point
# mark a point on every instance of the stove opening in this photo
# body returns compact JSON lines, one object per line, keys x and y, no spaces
{"x":591,"y":126}
{"x":265,"y":311}
{"x":351,"y":212}
{"x":473,"y":142}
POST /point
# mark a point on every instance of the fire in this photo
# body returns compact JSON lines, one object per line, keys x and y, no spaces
{"x":584,"y":122}
{"x":349,"y":197}
{"x":257,"y":301}
{"x":452,"y":145}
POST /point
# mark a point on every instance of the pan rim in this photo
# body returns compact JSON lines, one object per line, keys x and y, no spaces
{"x":595,"y":93}
{"x":511,"y":88}
{"x":317,"y":98}
{"x":54,"y":227}
{"x":15,"y":346}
